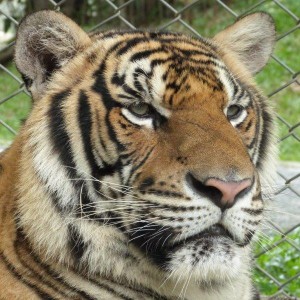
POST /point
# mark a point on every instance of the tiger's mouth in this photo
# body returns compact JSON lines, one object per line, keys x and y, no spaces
{"x":159,"y":243}
{"x":216,"y":230}
{"x":213,"y":232}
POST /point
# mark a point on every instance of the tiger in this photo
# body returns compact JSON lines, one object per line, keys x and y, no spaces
{"x":141,"y":168}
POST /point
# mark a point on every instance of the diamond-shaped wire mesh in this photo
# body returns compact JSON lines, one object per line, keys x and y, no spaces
{"x":280,"y":81}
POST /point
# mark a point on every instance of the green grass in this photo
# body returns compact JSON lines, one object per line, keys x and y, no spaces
{"x":287,"y":101}
{"x":282,"y":262}
{"x":14,"y":110}
{"x":209,"y":22}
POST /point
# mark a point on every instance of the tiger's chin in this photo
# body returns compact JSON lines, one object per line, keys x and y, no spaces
{"x":209,"y":262}
{"x":212,"y":257}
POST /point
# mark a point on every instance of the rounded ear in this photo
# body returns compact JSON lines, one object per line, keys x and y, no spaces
{"x":46,"y":40}
{"x":251,"y":38}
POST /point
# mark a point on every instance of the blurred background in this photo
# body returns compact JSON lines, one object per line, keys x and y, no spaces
{"x":278,"y":250}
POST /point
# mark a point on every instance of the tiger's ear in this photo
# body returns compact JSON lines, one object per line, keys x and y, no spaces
{"x":46,"y":40}
{"x":251,"y":38}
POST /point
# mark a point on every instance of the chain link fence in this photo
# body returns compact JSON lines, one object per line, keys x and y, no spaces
{"x":278,"y":254}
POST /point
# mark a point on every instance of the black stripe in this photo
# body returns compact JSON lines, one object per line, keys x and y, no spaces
{"x":176,"y":86}
{"x":205,"y":75}
{"x":152,"y":239}
{"x":109,"y":289}
{"x":149,"y":181}
{"x":240,"y":93}
{"x":85,"y":122}
{"x":138,"y":72}
{"x":266,"y":132}
{"x":135,"y":168}
{"x":146,"y":53}
{"x":36,"y":275}
{"x":100,"y":87}
{"x":248,"y":237}
{"x":104,"y":146}
{"x":61,"y":141}
{"x":54,"y":197}
{"x":197,"y":52}
{"x":78,"y":246}
{"x":59,"y":134}
{"x":86,"y":208}
{"x":257,"y":111}
{"x":86,"y":205}
{"x":143,"y":290}
{"x":131,"y":91}
{"x":118,"y":80}
{"x":248,"y":126}
{"x":163,"y":37}
{"x":253,"y":212}
{"x":85,"y":125}
{"x":130,"y":44}
{"x":76,"y":243}
{"x":174,"y":208}
{"x":55,"y":276}
{"x":197,"y":42}
{"x":27,"y":80}
{"x":16,"y":274}
{"x":123,"y":96}
{"x":162,"y":193}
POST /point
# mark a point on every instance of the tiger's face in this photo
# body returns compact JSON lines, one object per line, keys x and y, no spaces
{"x":159,"y":139}
{"x":188,"y":140}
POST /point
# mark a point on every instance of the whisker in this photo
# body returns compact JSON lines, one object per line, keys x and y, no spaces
{"x":167,"y":278}
{"x":283,"y":212}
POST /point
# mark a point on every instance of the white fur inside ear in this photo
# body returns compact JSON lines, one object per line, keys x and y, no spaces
{"x":46,"y":40}
{"x":251,"y":39}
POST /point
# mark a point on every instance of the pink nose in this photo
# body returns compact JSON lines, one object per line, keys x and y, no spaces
{"x":229,"y":190}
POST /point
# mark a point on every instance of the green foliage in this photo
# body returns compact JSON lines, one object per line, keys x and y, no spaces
{"x":16,"y":109}
{"x":282,"y":262}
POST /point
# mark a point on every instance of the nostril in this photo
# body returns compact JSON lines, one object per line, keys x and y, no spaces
{"x":221,"y":193}
{"x":200,"y":188}
{"x":229,"y":189}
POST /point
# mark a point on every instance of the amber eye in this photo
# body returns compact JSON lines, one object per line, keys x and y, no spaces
{"x":234,"y":111}
{"x":140,"y":109}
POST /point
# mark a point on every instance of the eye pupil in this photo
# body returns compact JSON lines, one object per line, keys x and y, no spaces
{"x":234,"y":111}
{"x":140,"y":109}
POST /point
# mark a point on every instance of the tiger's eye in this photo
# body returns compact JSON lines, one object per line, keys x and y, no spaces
{"x":140,"y":109}
{"x":234,"y":111}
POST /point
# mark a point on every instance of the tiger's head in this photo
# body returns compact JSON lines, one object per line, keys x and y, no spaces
{"x":145,"y":150}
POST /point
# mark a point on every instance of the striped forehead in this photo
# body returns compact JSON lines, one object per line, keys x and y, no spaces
{"x":140,"y":80}
{"x":138,"y":65}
